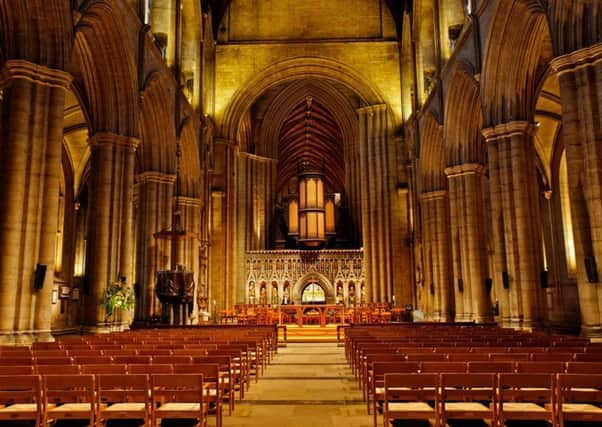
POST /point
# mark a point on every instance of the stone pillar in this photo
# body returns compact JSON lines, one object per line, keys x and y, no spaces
{"x":110,"y":209}
{"x":517,"y":222}
{"x":580,"y":75}
{"x":31,"y":131}
{"x":155,"y":199}
{"x":467,"y":206}
{"x":377,"y":166}
{"x":436,"y":238}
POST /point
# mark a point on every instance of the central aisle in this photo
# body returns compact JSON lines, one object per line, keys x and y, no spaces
{"x":306,"y":385}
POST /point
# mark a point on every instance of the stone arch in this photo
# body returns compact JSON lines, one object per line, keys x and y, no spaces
{"x":432,"y":155}
{"x":462,"y":126}
{"x":574,"y":24}
{"x":190,"y":166}
{"x":318,"y":278}
{"x":290,"y":70}
{"x":288,"y":99}
{"x":100,"y":45}
{"x":514,"y":61}
{"x":157,"y":127}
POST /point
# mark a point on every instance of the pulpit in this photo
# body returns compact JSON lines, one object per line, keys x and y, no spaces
{"x":175,"y":290}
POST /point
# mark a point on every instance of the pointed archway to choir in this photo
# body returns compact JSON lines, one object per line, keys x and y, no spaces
{"x":309,"y":278}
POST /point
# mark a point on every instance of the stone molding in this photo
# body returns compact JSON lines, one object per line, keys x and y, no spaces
{"x":578,"y":59}
{"x":157,"y":177}
{"x":15,"y":69}
{"x":464,"y":169}
{"x":372,"y":109}
{"x":507,"y":130}
{"x":188,"y":201}
{"x":433,"y":195}
{"x":112,"y":139}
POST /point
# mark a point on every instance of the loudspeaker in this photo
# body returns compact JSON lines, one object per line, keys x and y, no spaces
{"x":505,"y":280}
{"x":432,"y":288}
{"x":543,"y":279}
{"x":40,"y":274}
{"x":488,"y":285}
{"x":460,"y":285}
{"x":590,"y":269}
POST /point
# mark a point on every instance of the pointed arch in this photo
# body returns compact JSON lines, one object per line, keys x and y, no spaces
{"x":432,"y":155}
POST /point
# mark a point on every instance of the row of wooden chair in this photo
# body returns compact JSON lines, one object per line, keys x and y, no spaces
{"x":495,"y":398}
{"x":98,"y":399}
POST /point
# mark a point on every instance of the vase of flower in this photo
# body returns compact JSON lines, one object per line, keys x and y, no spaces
{"x":117,"y":298}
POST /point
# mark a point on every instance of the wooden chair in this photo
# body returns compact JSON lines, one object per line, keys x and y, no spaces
{"x":69,"y":397}
{"x":149,"y":369}
{"x":579,"y":398}
{"x":540,"y":367}
{"x":227,"y":374}
{"x":132,"y":359}
{"x":16,"y":370}
{"x":509,"y":357}
{"x":21,"y":398}
{"x":213,"y":382}
{"x":17,"y":360}
{"x":103,"y":369}
{"x":173,"y":360}
{"x":123,"y":397}
{"x":64,"y":360}
{"x":462,"y":397}
{"x":468,"y":357}
{"x":176,"y":396}
{"x":57,"y":369}
{"x":584,"y":367}
{"x":93,"y":360}
{"x":487,"y":367}
{"x":588,"y":357}
{"x":552,"y":357}
{"x":440,"y":367}
{"x":411,"y":396}
{"x":526,"y":397}
{"x":376,"y":387}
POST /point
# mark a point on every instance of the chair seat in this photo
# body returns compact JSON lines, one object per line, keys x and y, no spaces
{"x":410,"y":407}
{"x":126,"y":407}
{"x":71,"y":408}
{"x":20,"y":407}
{"x":179,"y":406}
{"x":580,"y":407}
{"x":521,"y":407}
{"x":465,"y":407}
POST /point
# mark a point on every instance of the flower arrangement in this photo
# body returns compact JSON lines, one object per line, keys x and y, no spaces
{"x":118,"y":295}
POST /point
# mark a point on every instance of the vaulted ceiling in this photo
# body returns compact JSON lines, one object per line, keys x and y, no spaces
{"x":311,"y":136}
{"x":219,"y":8}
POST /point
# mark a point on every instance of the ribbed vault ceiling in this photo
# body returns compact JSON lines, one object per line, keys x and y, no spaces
{"x":311,"y":136}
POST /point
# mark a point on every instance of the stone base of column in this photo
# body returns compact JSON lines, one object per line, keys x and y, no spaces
{"x":43,"y":336}
{"x":483,"y":319}
{"x":594,"y":332}
{"x":105,"y":328}
{"x":530,"y":325}
{"x":25,"y":337}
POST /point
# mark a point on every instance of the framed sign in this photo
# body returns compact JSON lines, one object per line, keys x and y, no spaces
{"x":75,"y":294}
{"x":64,"y":292}
{"x":54,"y":296}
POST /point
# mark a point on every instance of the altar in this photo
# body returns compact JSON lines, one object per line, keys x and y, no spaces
{"x":311,"y":314}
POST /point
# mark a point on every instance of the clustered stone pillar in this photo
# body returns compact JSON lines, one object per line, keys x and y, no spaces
{"x":377,"y":166}
{"x":110,"y":248}
{"x":436,"y":248}
{"x":155,"y":200}
{"x":467,"y":214}
{"x":31,"y":130}
{"x":516,"y":223}
{"x":580,"y":75}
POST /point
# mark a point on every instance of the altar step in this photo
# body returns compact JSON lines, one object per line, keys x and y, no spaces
{"x":309,"y":334}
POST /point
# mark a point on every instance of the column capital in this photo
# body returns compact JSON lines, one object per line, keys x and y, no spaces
{"x":464,"y":169}
{"x":372,"y":109}
{"x":578,"y":59}
{"x":188,"y":201}
{"x":506,"y":130}
{"x":155,"y":176}
{"x":15,"y":69}
{"x":433,"y":195}
{"x":100,"y":139}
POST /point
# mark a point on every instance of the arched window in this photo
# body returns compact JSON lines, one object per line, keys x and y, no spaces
{"x":313,"y":293}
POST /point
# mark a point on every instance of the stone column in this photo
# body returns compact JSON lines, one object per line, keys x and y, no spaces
{"x":155,"y":199}
{"x":377,"y":166}
{"x":110,"y":209}
{"x":517,"y":222}
{"x":580,"y":75}
{"x":467,"y":206}
{"x":436,"y":238}
{"x":31,"y":131}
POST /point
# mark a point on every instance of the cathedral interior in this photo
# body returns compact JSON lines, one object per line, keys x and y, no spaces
{"x":443,"y":154}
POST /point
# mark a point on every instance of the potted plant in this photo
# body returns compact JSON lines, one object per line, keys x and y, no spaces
{"x":118,"y":296}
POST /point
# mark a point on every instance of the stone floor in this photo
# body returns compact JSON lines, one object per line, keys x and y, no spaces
{"x":306,"y":385}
